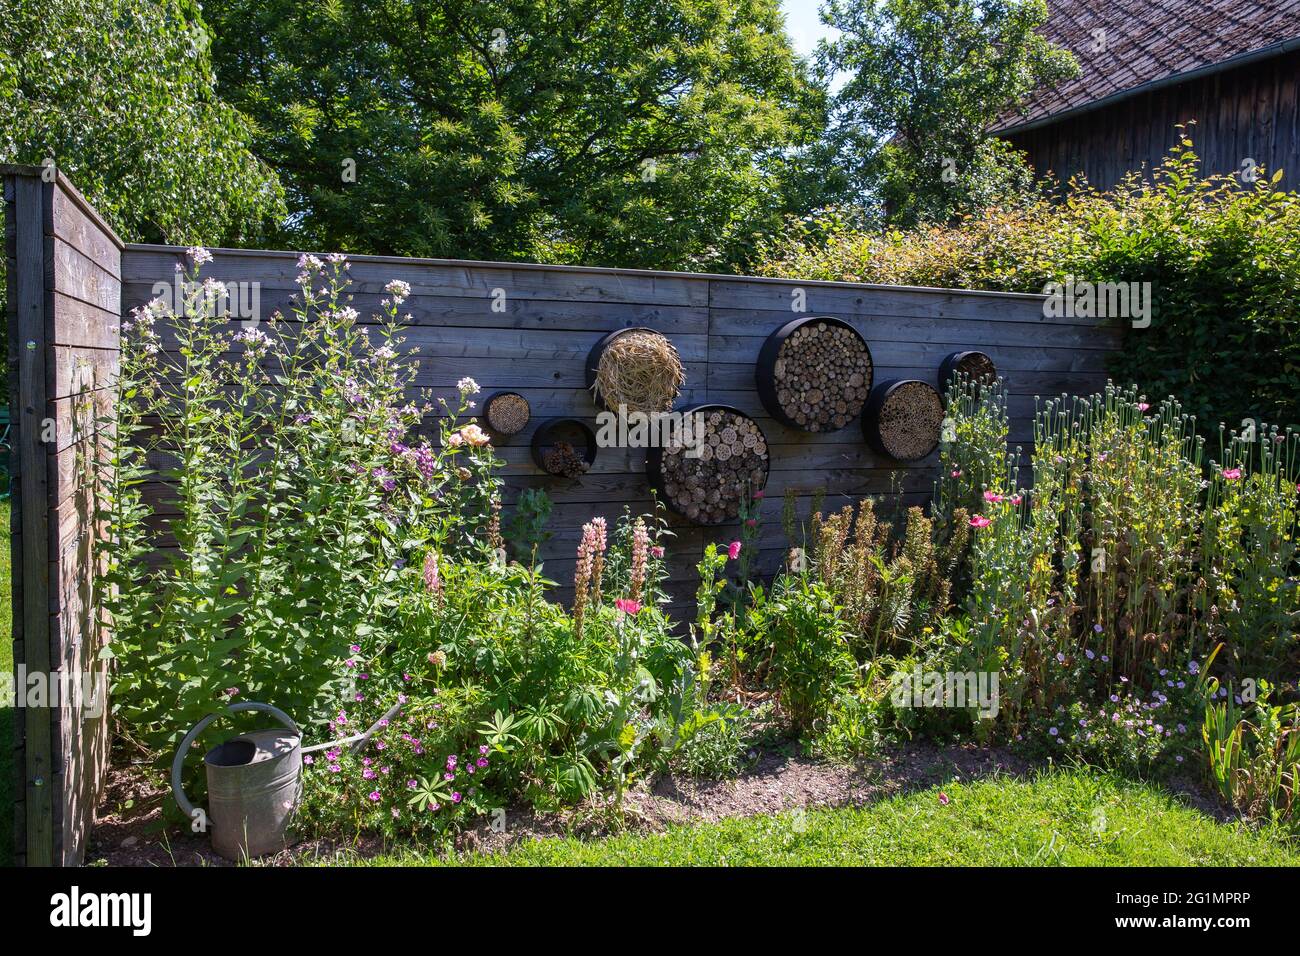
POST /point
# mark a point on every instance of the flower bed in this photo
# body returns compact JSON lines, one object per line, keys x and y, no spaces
{"x":1134,"y":605}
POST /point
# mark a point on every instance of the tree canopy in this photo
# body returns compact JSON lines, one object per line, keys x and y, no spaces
{"x":118,"y":94}
{"x":925,"y":81}
{"x":637,"y":133}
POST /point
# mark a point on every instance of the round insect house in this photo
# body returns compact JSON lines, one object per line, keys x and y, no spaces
{"x":971,"y":366}
{"x":716,"y":461}
{"x":636,"y":369}
{"x":507,"y":413}
{"x":564,"y":447}
{"x":814,"y":374}
{"x":903,"y":419}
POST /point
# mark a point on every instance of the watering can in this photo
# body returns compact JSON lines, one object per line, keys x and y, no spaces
{"x":254,"y":783}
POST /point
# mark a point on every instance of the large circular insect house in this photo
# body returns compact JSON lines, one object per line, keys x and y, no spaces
{"x":637,"y":369}
{"x":814,"y":374}
{"x":903,"y":419}
{"x":711,"y":466}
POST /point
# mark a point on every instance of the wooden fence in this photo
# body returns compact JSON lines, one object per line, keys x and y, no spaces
{"x":522,"y":327}
{"x":63,"y":265}
{"x":530,"y":328}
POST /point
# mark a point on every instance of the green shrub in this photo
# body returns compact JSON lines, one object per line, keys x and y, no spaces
{"x":1223,"y":260}
{"x":297,"y":496}
{"x":798,"y":640}
{"x":1254,"y":755}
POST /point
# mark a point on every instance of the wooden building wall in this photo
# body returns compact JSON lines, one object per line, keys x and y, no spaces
{"x":64,"y":292}
{"x":555,"y":314}
{"x":1251,"y":112}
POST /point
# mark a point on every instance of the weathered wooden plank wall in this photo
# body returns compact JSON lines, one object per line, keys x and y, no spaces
{"x":1252,"y":112}
{"x":553,"y":315}
{"x":64,"y":265}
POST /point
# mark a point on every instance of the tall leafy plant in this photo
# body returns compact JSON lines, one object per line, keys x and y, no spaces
{"x":290,"y":493}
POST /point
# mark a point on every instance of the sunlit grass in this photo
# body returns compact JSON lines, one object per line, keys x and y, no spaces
{"x":1055,"y":819}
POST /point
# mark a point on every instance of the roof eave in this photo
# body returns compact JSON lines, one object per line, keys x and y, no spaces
{"x":1241,"y":59}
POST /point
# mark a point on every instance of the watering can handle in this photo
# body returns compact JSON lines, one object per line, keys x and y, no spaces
{"x":177,"y":790}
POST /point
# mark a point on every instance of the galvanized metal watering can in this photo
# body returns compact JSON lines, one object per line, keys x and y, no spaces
{"x":254,"y":784}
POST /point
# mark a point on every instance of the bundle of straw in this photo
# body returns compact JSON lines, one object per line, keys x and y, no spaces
{"x":641,"y":370}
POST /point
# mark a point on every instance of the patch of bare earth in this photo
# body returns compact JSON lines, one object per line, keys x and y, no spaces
{"x":130,"y":828}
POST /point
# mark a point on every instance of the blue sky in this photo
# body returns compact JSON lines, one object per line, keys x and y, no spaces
{"x":802,"y":24}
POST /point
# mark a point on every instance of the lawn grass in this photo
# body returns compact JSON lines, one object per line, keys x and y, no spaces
{"x":1058,"y":818}
{"x":6,"y":713}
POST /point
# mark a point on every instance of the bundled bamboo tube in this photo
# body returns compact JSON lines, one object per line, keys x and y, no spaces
{"x":507,"y":413}
{"x":903,"y":419}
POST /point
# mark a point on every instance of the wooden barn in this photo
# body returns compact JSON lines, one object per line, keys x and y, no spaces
{"x":1230,"y":67}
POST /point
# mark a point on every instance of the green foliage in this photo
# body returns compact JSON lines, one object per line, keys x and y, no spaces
{"x":1254,"y":756}
{"x":891,"y":590}
{"x":119,"y":95}
{"x":651,"y":133}
{"x":1222,"y":258}
{"x":798,"y":641}
{"x":927,"y":79}
{"x":504,"y":701}
{"x":1061,"y":818}
{"x":526,"y":531}
{"x":296,"y":500}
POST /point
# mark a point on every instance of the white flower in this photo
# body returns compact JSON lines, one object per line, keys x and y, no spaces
{"x":309,"y":263}
{"x":198,"y":255}
{"x":399,"y":290}
{"x":384,"y":353}
{"x":467,"y":386}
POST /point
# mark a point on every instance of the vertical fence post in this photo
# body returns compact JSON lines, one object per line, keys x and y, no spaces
{"x":27,"y":197}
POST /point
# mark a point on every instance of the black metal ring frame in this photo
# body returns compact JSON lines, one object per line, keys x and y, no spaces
{"x":487,"y":412}
{"x":654,"y":462}
{"x":544,"y":437}
{"x":765,"y":368}
{"x":948,"y":368}
{"x":598,"y":351}
{"x":871,"y":415}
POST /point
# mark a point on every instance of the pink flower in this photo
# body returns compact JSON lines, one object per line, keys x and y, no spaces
{"x":374,"y":796}
{"x":1015,"y":499}
{"x":733,"y":550}
{"x":943,"y":798}
{"x":432,"y":580}
{"x":992,"y":497}
{"x":1231,"y":474}
{"x":956,"y":473}
{"x":455,"y":797}
{"x":758,"y":495}
{"x":628,"y":606}
{"x":472,"y":435}
{"x":979,"y":521}
{"x":658,"y":551}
